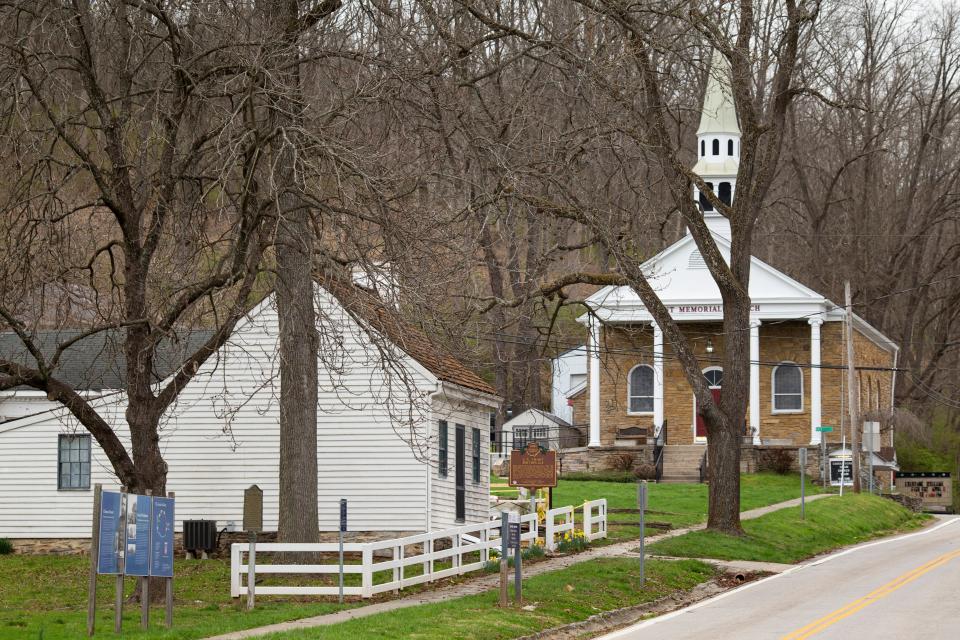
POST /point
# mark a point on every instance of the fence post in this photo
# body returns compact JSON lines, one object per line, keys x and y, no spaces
{"x":549,"y":531}
{"x":235,"y":570}
{"x":367,"y":575}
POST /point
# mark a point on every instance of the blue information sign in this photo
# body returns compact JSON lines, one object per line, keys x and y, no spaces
{"x":112,"y":533}
{"x":139,"y":509}
{"x":161,"y":538}
{"x":343,"y":514}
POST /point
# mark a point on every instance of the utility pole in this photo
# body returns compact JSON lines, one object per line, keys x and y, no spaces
{"x":852,"y":391}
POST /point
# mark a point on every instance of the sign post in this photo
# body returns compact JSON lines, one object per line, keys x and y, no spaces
{"x":94,"y":559}
{"x":642,"y":506}
{"x":342,"y":530}
{"x":802,"y":456}
{"x":517,"y":559}
{"x":504,"y":564}
{"x":252,"y":523}
{"x":162,"y":536}
{"x":145,"y":519}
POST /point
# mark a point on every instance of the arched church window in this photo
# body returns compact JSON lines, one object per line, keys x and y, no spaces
{"x":704,"y":203}
{"x":787,"y":388}
{"x":703,"y":148}
{"x":716,"y":147}
{"x":641,"y":389}
{"x":730,"y":148}
{"x":724,"y":193}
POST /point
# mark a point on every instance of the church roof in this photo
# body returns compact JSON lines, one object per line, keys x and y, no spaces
{"x":719,"y":113}
{"x":684,"y":285}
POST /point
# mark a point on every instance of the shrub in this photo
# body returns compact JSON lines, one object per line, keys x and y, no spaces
{"x":777,"y":460}
{"x":621,"y":462}
{"x":6,"y":547}
{"x":645,"y":471}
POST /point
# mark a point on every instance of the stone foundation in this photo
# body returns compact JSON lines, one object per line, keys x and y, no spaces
{"x":585,"y":459}
{"x":81,"y":546}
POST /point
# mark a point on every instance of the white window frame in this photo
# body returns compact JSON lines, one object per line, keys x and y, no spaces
{"x":773,"y":389}
{"x":652,"y":397}
{"x":60,"y":461}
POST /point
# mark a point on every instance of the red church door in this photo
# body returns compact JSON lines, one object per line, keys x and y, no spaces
{"x":715,"y":379}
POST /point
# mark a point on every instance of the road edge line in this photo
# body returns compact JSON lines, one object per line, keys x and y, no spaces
{"x":838,"y":554}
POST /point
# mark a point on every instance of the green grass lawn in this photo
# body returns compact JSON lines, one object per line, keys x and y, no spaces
{"x":46,"y":597}
{"x":47,"y":594}
{"x":679,"y":505}
{"x":560,"y":597}
{"x":782,"y":536}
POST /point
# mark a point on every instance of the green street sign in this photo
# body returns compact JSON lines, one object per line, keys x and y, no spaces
{"x":824,"y":429}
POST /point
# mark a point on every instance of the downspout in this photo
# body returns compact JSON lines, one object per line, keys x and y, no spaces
{"x":433,"y":396}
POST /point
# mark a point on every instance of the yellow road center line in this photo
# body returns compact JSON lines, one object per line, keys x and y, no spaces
{"x":881,"y":592}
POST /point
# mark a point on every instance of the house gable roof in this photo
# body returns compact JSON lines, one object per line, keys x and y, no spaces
{"x":374,"y":314}
{"x":97,"y":362}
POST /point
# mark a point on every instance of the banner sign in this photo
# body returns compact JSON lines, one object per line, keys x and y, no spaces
{"x":136,"y":535}
{"x":112,"y":530}
{"x":161,"y":538}
{"x":533,"y":468}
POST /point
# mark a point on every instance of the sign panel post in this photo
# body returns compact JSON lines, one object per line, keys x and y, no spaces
{"x":145,"y":521}
{"x":168,"y":504}
{"x":252,"y":523}
{"x":504,"y":551}
{"x":642,"y":506}
{"x":517,"y":559}
{"x":342,"y":529}
{"x":121,"y":561}
{"x":94,"y":559}
{"x":802,"y":459}
{"x":132,"y":535}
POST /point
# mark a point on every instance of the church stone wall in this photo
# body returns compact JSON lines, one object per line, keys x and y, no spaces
{"x":624,"y":347}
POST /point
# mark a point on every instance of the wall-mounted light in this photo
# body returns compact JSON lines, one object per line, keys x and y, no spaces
{"x":709,"y":345}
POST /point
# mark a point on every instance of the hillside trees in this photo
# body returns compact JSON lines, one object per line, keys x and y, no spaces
{"x":131,"y":176}
{"x":625,"y":71}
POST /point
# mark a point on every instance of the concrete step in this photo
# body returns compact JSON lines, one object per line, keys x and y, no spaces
{"x":677,"y":479}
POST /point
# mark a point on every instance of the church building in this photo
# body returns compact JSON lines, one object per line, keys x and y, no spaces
{"x":636,"y":392}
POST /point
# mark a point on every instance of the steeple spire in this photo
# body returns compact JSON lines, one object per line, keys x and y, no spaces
{"x":719,"y":111}
{"x":718,"y":144}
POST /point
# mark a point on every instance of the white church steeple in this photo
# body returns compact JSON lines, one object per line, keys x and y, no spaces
{"x":718,"y":144}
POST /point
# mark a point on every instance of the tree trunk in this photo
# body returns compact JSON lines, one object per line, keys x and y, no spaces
{"x":299,"y":521}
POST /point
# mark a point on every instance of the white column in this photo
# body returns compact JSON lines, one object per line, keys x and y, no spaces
{"x":657,"y":379}
{"x":755,"y":379}
{"x":593,"y":349}
{"x":815,"y":402}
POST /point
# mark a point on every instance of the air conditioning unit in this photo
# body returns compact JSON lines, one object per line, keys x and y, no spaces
{"x":199,"y":536}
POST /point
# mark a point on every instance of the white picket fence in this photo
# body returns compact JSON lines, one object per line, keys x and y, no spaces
{"x":600,"y":520}
{"x":466,"y":548}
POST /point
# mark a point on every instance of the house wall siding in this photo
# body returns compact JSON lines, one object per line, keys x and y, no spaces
{"x":222,"y":436}
{"x":443,"y":494}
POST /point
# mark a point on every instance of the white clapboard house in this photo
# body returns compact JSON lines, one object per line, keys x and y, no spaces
{"x":402,"y":433}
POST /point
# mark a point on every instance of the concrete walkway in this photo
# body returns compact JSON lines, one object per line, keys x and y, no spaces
{"x":486,"y":582}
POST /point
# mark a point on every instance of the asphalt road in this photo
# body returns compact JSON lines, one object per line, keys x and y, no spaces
{"x":899,"y":588}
